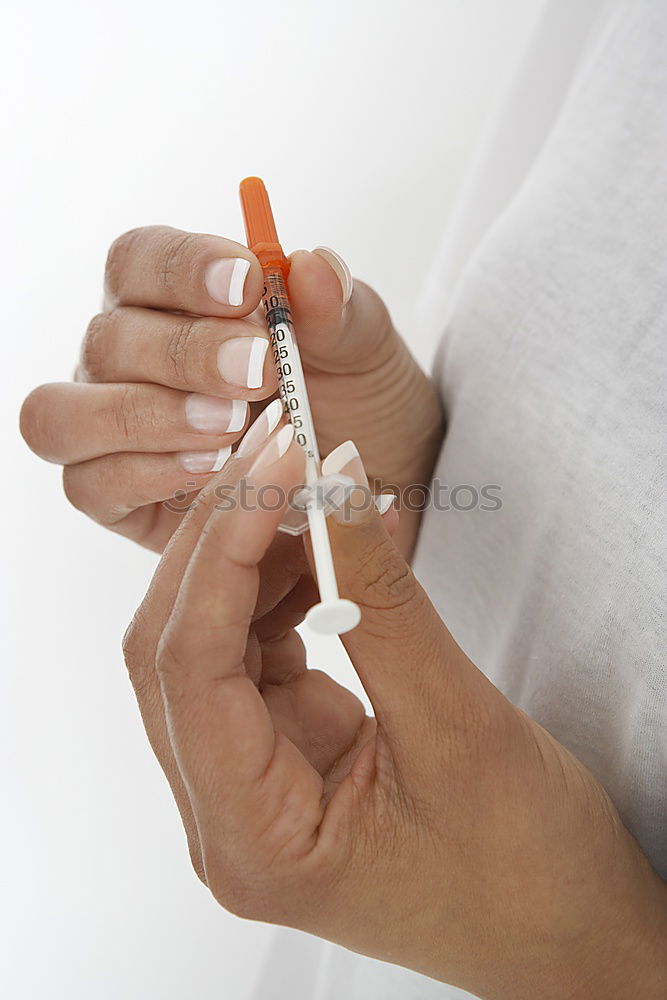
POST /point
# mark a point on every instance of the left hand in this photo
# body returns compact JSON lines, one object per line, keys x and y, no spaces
{"x":450,"y":834}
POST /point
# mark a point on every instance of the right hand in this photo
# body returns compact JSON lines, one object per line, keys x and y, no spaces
{"x":153,"y":392}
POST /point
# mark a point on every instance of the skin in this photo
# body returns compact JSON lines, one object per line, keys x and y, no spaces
{"x":449,"y":833}
{"x":116,"y":430}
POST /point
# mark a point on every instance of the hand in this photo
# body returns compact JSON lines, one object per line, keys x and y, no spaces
{"x":162,"y":389}
{"x":450,"y":833}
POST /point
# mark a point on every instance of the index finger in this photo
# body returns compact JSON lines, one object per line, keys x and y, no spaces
{"x":164,"y":268}
{"x":253,"y":793}
{"x":201,"y":656}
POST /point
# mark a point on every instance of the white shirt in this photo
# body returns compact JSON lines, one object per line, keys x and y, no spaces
{"x":553,"y":373}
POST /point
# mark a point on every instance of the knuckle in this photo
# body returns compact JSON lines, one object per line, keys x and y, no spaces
{"x":134,"y":414}
{"x":90,"y":487}
{"x":385,"y":579}
{"x":177,"y":266}
{"x":171,"y":664}
{"x":254,"y":892}
{"x":237,"y":903}
{"x":234,"y":892}
{"x":73,"y":489}
{"x":136,"y":654}
{"x":117,"y":260}
{"x":132,"y":640}
{"x":35,"y":420}
{"x":179,"y":347}
{"x":94,"y":348}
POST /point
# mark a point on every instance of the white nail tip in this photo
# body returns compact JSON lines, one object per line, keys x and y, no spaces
{"x":274,"y":449}
{"x":384,"y":502}
{"x":265,"y":424}
{"x":223,"y":455}
{"x":238,"y":417}
{"x":284,"y":439}
{"x":237,"y":281}
{"x":339,"y":458}
{"x":256,"y":362}
{"x":274,"y":412}
{"x":342,"y":271}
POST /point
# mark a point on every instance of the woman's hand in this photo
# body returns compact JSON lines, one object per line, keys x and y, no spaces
{"x":450,"y":833}
{"x":168,"y":370}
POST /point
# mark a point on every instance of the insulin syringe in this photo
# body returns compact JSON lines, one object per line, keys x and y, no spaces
{"x":333,"y":615}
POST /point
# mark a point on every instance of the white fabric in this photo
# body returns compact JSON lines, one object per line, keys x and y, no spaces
{"x":553,"y":372}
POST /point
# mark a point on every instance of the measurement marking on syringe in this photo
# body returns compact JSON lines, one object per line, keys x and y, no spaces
{"x":333,"y":613}
{"x":288,"y":367}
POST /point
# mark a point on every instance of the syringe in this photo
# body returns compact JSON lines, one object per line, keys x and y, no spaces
{"x":333,"y":615}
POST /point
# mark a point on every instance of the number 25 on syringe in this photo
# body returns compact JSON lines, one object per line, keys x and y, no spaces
{"x":333,"y":614}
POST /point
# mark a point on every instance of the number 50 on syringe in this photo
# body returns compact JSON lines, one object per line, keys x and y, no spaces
{"x":333,"y":614}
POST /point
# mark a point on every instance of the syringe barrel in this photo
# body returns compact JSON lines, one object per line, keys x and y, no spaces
{"x":291,"y":381}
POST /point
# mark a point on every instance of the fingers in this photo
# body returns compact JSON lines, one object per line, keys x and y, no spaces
{"x":221,"y":730}
{"x":337,"y":334}
{"x":152,"y":526}
{"x":139,"y":647}
{"x":141,"y":639}
{"x":218,"y":596}
{"x":218,"y":357}
{"x":165,"y":268}
{"x":217,"y":495}
{"x":111,"y":488}
{"x":354,"y":340}
{"x":73,"y":422}
{"x":143,"y":635}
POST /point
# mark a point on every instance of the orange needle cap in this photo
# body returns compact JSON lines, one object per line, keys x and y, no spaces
{"x":260,"y":227}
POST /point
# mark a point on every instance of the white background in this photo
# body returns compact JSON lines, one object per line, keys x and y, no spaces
{"x":362,"y":117}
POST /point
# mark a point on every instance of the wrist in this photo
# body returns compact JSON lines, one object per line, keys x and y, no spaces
{"x":638,"y":951}
{"x":626,"y":957}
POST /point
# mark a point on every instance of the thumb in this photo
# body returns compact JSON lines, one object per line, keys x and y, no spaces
{"x":342,"y":325}
{"x":413,"y":671}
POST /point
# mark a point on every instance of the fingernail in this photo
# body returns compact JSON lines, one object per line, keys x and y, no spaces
{"x":212,"y":415}
{"x":336,"y":262}
{"x":273,"y":450}
{"x":241,"y":361}
{"x":204,"y":461}
{"x":225,"y":278}
{"x":345,"y":460}
{"x":384,"y":502}
{"x":265,"y":424}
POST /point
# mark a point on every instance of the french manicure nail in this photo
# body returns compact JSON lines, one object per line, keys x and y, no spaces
{"x":211,"y":415}
{"x":384,"y":502}
{"x":204,"y":461}
{"x":342,"y":271}
{"x":345,"y":460}
{"x":225,"y":278}
{"x":273,"y":449}
{"x":241,"y":361}
{"x":265,"y":424}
